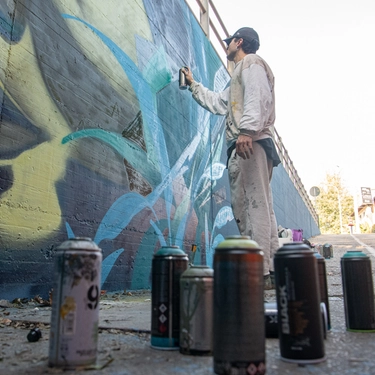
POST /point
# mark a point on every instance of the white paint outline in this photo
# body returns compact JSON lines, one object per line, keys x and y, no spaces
{"x":370,"y":249}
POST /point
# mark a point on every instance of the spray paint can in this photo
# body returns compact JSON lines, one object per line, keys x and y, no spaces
{"x":182,"y":78}
{"x":168,"y":264}
{"x":323,"y":285}
{"x":196,"y":308}
{"x":270,"y":316}
{"x":239,"y":330}
{"x":272,"y":326}
{"x":75,"y":304}
{"x":301,"y":333}
{"x":358,"y":292}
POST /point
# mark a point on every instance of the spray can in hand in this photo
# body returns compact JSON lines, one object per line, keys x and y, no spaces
{"x":182,"y":78}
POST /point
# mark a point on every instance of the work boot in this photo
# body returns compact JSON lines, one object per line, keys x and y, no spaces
{"x":268,"y":284}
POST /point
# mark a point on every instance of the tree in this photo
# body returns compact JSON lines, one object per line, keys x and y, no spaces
{"x":334,"y":205}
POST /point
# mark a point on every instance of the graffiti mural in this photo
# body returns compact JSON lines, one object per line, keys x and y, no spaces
{"x":97,"y":140}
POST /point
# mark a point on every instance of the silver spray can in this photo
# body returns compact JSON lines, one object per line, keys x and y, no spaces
{"x":182,"y":78}
{"x":301,"y":334}
{"x":239,"y":329}
{"x":168,"y":264}
{"x":75,"y":304}
{"x":358,"y":291}
{"x":196,"y":308}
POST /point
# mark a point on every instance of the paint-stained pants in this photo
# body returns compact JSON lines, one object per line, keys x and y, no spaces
{"x":252,"y":204}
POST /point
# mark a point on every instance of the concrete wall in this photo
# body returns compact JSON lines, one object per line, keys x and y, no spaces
{"x":97,"y":140}
{"x":290,"y":210}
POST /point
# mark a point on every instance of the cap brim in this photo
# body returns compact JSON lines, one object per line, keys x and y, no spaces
{"x":228,"y":40}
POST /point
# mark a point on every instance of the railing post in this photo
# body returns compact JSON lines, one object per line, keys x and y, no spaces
{"x":205,"y":17}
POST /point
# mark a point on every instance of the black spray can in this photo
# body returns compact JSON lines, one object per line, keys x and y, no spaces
{"x":239,"y":330}
{"x":168,"y":265}
{"x":301,"y":333}
{"x":358,"y":291}
{"x":323,"y":285}
{"x":196,"y":309}
{"x":182,"y":79}
{"x":272,"y":327}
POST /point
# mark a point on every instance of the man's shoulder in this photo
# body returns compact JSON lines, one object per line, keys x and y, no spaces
{"x":253,"y":58}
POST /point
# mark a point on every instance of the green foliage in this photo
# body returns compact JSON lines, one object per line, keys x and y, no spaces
{"x":334,"y":199}
{"x":365,"y":228}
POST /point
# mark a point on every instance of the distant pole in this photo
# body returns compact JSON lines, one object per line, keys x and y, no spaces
{"x":340,"y":212}
{"x":356,"y":216}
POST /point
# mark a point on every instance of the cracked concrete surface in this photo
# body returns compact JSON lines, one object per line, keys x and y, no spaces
{"x":124,"y":339}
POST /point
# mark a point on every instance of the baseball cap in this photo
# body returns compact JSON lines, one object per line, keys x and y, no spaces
{"x":246,"y":33}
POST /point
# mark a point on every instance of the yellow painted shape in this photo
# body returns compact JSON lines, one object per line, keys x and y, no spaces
{"x":68,"y":306}
{"x":30,"y":209}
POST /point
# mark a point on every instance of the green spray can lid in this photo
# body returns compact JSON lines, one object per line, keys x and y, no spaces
{"x":198,"y":271}
{"x":237,"y":242}
{"x":354,"y":254}
{"x":165,"y":251}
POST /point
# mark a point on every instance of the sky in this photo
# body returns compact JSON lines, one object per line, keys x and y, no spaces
{"x":323,"y":57}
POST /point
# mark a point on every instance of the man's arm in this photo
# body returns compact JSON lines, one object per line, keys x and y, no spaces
{"x":215,"y":102}
{"x":257,"y":100}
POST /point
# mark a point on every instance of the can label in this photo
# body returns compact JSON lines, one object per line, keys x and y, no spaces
{"x":75,"y":308}
{"x":240,"y":368}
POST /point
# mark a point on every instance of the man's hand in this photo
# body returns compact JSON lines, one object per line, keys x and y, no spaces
{"x":244,"y":146}
{"x":188,"y":75}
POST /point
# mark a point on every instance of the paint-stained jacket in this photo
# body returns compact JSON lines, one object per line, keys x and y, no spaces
{"x":248,"y":102}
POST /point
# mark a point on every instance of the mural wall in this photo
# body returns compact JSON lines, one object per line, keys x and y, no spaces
{"x":97,"y":140}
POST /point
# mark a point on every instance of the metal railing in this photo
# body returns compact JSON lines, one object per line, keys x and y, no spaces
{"x":208,"y":24}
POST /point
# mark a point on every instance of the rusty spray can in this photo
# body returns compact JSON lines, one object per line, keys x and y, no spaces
{"x":358,"y":290}
{"x":75,"y":304}
{"x":301,"y":334}
{"x":239,"y":329}
{"x":182,"y":78}
{"x":168,"y":264}
{"x":196,"y":308}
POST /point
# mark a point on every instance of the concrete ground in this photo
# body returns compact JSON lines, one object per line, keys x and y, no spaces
{"x":124,"y":339}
